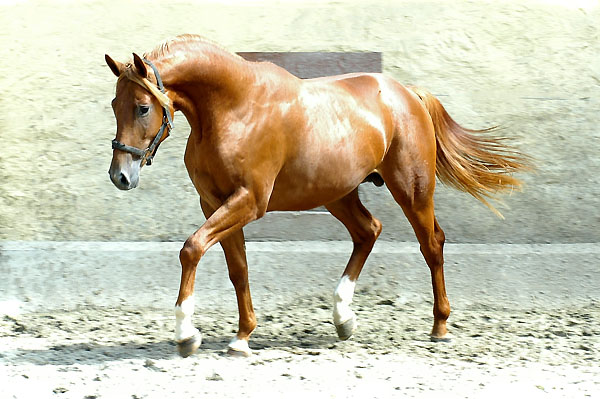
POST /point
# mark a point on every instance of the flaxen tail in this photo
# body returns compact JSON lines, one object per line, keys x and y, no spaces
{"x":473,"y":161}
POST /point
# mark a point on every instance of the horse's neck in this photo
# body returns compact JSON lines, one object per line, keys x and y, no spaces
{"x":209,"y":79}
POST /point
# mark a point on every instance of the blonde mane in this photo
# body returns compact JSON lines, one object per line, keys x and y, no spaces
{"x":164,"y":49}
{"x":130,"y":74}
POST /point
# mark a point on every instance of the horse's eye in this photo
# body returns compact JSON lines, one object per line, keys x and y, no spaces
{"x":143,"y":110}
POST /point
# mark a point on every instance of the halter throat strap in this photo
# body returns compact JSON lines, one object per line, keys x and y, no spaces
{"x":147,"y":155}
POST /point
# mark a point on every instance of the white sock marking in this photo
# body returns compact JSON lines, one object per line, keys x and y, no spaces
{"x":184,"y":328}
{"x":240,"y":345}
{"x":342,"y":298}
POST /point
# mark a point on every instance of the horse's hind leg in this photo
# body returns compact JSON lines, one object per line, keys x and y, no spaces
{"x":364,"y":230}
{"x":409,"y":173}
{"x":413,"y":190}
{"x":432,"y":248}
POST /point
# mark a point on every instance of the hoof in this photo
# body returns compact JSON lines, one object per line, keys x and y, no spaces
{"x":346,"y":329}
{"x":239,"y":348}
{"x":189,"y":346}
{"x":444,"y":338}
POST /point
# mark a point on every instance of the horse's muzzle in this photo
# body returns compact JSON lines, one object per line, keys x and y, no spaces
{"x":123,"y":181}
{"x":125,"y":177}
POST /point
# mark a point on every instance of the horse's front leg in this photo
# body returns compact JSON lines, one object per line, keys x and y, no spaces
{"x":234,"y":248}
{"x":237,"y":211}
{"x":235,"y":254}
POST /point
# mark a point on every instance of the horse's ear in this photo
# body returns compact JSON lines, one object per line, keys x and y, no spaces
{"x":140,"y":66}
{"x":115,"y":66}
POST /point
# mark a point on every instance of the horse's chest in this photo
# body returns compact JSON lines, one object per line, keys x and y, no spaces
{"x":213,"y":172}
{"x":198,"y":164}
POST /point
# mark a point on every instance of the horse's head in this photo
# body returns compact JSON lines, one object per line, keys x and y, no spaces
{"x":141,"y":110}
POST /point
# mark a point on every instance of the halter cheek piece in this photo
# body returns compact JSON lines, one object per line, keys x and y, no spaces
{"x":148,"y":154}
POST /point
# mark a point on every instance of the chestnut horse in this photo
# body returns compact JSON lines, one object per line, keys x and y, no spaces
{"x":264,"y":140}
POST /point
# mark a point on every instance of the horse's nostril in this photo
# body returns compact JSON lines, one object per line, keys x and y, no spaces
{"x":124,"y":180}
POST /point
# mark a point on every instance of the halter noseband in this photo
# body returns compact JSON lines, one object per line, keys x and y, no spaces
{"x":148,"y":154}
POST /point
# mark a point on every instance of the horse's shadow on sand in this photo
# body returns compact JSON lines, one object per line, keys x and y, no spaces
{"x":93,"y":354}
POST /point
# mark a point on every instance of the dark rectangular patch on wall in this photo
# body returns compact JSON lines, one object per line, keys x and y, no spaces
{"x":316,"y":64}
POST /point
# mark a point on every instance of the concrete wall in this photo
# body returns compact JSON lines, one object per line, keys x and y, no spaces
{"x":530,"y":66}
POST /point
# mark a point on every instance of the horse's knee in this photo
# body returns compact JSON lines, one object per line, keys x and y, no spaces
{"x":191,"y":253}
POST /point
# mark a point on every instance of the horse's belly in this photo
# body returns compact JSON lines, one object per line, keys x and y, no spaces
{"x":306,"y":184}
{"x":304,"y":197}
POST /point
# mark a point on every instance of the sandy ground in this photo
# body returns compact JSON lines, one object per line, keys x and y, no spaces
{"x":85,"y":333}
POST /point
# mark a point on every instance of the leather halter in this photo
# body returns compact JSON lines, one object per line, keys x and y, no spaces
{"x":148,"y":154}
